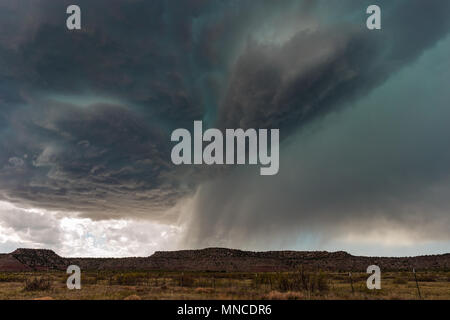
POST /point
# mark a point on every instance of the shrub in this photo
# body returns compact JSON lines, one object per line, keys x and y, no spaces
{"x":187,"y":281}
{"x":321,"y":282}
{"x":299,"y":281}
{"x":129,"y":278}
{"x":10,"y":278}
{"x":426,"y":278}
{"x":89,"y":280}
{"x":37,"y":285}
{"x":400,"y":281}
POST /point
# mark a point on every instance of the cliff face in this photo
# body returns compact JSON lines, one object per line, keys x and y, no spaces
{"x":220,"y":259}
{"x":9,"y":263}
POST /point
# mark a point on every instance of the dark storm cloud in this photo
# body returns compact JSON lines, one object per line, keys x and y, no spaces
{"x":97,"y":159}
{"x":380,"y":183}
{"x":87,"y":115}
{"x":381,"y":166}
{"x":125,"y":50}
{"x":283,"y":86}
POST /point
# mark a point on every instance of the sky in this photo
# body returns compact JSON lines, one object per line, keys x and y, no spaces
{"x":86,"y":118}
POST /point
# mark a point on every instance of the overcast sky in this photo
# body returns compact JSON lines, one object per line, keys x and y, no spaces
{"x":86,"y":118}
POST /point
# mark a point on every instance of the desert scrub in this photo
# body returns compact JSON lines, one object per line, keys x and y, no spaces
{"x":400,"y":280}
{"x":186,"y":281}
{"x":132,"y":278}
{"x":8,"y":277}
{"x":426,"y":277}
{"x":37,"y":284}
{"x":295,"y":281}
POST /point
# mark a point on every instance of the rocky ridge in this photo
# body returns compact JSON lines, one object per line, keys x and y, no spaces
{"x":221,"y":259}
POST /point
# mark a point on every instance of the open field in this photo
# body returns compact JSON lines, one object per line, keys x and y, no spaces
{"x":218,"y":273}
{"x":222,"y":285}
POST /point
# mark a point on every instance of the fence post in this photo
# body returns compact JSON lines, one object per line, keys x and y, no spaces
{"x":351,"y":282}
{"x":417,"y":283}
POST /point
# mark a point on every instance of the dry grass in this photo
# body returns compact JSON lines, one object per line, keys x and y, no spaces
{"x":276,"y":295}
{"x":198,"y":285}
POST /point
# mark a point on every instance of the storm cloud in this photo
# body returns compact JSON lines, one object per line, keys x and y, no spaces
{"x":86,"y":116}
{"x":318,"y":70}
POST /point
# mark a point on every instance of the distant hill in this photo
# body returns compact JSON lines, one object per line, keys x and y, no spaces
{"x":221,"y":259}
